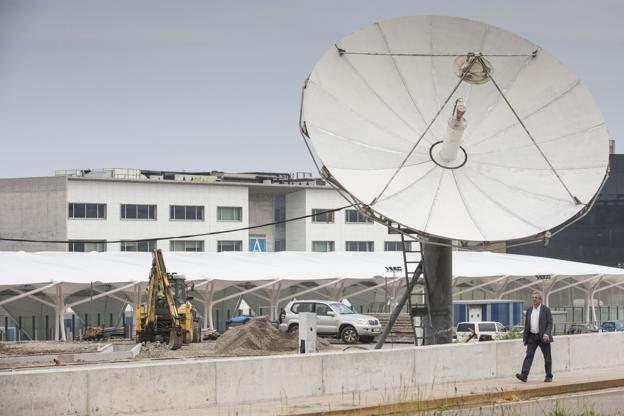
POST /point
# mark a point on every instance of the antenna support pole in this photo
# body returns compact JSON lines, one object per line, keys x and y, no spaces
{"x":454,"y":133}
{"x":438,"y":272}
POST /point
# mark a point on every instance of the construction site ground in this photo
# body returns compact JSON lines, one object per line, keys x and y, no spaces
{"x":256,"y":338}
{"x":599,"y":390}
{"x":149,"y":351}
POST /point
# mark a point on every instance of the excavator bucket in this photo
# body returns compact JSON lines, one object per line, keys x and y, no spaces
{"x":175,"y":339}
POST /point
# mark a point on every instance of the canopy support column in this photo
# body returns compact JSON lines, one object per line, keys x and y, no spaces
{"x":393,"y":289}
{"x":59,"y":328}
{"x":275,"y":294}
{"x":208,"y":323}
{"x":586,"y":304}
{"x":592,"y":291}
{"x":548,"y":289}
{"x":337,"y":292}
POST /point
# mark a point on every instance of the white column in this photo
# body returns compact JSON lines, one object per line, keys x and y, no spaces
{"x":62,"y":314}
{"x":57,"y":321}
{"x":56,"y":324}
{"x":59,"y":328}
{"x":593,"y":308}
{"x":395,"y":289}
{"x":208,"y":323}
{"x":587,"y":305}
{"x":549,"y":288}
{"x":275,"y":295}
{"x":500,"y":288}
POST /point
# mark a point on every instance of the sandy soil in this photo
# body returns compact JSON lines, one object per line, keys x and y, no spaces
{"x":45,"y":347}
{"x":257,"y":337}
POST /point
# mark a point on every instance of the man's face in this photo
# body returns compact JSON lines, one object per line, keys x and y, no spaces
{"x":536,"y":299}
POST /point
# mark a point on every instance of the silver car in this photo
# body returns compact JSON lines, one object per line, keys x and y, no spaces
{"x":333,"y":318}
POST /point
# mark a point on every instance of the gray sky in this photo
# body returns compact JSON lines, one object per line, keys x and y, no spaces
{"x":203,"y":85}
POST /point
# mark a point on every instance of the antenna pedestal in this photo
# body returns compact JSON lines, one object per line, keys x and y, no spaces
{"x":438,"y":271}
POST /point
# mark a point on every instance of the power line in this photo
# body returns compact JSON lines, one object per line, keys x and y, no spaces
{"x":27,"y":240}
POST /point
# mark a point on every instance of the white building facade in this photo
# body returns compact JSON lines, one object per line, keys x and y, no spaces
{"x":110,"y":210}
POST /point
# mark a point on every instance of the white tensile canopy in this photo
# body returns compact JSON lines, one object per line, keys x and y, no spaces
{"x":377,"y":105}
{"x":62,"y":279}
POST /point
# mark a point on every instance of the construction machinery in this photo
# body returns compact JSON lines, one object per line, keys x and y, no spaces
{"x":167,"y":315}
{"x":96,"y":333}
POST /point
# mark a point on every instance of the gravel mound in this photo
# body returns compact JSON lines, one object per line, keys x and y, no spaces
{"x":153,"y":350}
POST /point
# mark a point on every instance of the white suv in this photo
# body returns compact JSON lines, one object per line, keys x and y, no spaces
{"x":491,"y":330}
{"x":333,"y":318}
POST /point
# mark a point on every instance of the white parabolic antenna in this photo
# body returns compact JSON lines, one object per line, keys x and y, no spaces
{"x":455,"y":129}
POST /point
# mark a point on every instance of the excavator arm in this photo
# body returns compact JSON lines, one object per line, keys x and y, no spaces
{"x":159,"y":288}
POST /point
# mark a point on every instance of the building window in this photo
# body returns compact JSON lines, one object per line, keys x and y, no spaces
{"x":321,"y":216}
{"x":138,"y":212}
{"x":229,"y":213}
{"x":229,"y":245}
{"x":186,"y":212}
{"x":353,"y":216}
{"x":186,"y":245}
{"x":87,"y":245}
{"x":82,"y":210}
{"x":360,"y":246}
{"x":138,"y":245}
{"x":396,"y":246}
{"x":322,"y":246}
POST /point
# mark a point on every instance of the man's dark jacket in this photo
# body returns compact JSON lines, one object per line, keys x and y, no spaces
{"x":545,"y":323}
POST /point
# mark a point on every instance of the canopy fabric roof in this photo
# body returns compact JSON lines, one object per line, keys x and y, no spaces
{"x":20,"y":268}
{"x":62,"y":280}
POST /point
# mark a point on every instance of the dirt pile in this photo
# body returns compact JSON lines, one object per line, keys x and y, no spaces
{"x":259,"y":336}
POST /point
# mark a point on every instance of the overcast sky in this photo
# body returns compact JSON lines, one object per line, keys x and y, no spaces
{"x":215,"y":85}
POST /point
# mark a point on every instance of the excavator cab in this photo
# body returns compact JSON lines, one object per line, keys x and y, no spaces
{"x":178,"y":287}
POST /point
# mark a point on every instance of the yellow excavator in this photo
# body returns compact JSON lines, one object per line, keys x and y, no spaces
{"x":167,"y":316}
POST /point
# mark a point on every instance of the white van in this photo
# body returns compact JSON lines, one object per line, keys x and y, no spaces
{"x":492,"y":330}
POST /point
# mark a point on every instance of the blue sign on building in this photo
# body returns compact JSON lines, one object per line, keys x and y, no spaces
{"x":257,"y":244}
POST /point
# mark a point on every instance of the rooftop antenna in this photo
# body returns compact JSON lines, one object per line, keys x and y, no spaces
{"x":453,"y":133}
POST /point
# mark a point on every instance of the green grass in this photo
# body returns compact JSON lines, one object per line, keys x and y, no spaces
{"x":558,"y":411}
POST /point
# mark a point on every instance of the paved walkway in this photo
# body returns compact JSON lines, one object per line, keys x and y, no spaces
{"x":423,"y":398}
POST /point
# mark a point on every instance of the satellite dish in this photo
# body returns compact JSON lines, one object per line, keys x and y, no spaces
{"x":455,"y":129}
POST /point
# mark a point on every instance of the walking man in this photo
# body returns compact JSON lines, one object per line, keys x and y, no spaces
{"x":537,"y":333}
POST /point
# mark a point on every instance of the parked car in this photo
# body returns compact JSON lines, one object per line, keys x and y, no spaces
{"x":484,"y":331}
{"x":582,"y":329}
{"x":242,"y":320}
{"x":237,"y":320}
{"x":612,"y":326}
{"x":333,"y":318}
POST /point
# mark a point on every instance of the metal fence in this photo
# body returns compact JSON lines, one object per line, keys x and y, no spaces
{"x":576,"y":314}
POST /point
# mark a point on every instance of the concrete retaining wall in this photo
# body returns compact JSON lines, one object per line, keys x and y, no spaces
{"x":142,"y":387}
{"x":110,"y":352}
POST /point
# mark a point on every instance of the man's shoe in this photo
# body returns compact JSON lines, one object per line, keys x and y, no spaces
{"x":548,"y":379}
{"x":521,"y":377}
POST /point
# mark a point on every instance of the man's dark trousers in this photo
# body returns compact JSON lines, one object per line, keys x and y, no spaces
{"x":532,"y":343}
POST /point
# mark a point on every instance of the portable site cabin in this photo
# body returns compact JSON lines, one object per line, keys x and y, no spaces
{"x":507,"y":312}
